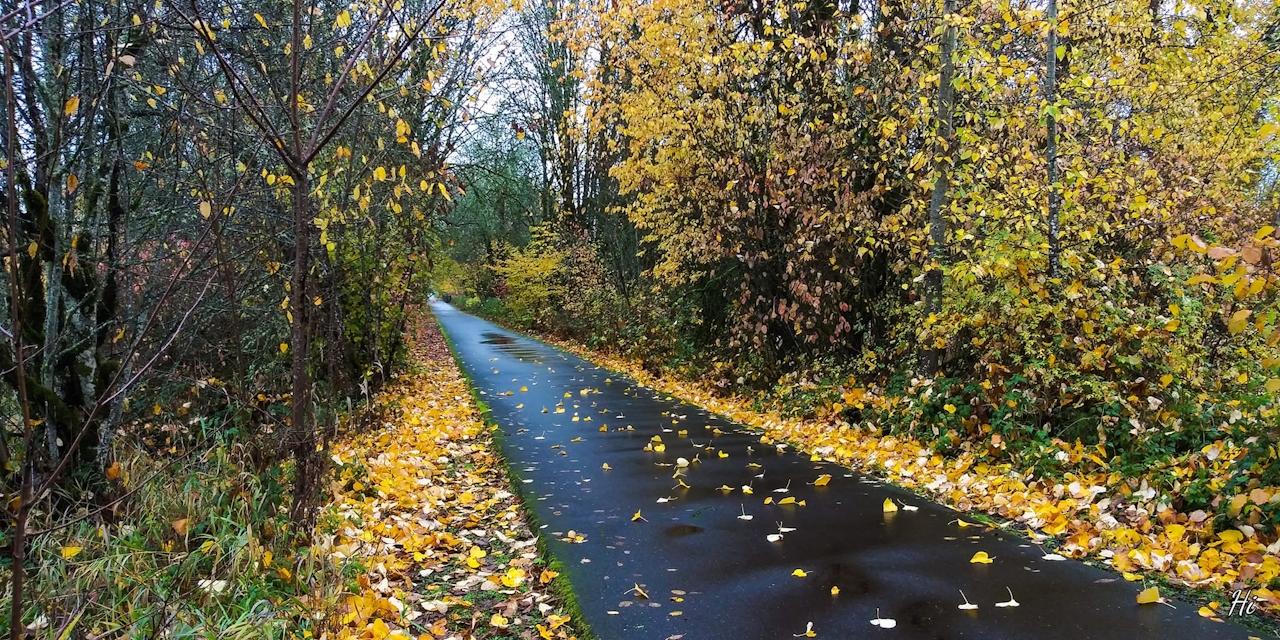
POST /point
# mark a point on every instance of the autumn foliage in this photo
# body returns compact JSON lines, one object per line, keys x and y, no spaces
{"x":1104,"y":313}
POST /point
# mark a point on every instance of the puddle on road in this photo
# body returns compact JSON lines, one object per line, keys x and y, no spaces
{"x":683,"y":530}
{"x":508,"y":345}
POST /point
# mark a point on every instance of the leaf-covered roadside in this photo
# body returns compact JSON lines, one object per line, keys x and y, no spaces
{"x":1089,"y":512}
{"x":424,"y":502}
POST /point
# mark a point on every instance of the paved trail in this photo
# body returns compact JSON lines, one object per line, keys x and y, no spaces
{"x":734,"y":583}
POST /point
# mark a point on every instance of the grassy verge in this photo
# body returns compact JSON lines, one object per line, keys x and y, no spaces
{"x":195,"y":545}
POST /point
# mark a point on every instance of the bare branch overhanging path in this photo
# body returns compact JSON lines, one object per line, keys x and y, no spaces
{"x":708,"y":573}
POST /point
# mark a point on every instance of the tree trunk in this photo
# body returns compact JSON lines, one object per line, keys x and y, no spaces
{"x":944,"y":150}
{"x":1051,"y":136}
{"x":303,"y":437}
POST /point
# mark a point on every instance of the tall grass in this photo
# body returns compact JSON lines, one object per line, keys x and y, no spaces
{"x":197,"y":546}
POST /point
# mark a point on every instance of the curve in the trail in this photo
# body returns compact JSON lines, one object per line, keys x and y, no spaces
{"x":710,"y":573}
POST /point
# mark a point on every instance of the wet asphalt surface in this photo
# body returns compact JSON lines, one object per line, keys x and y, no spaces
{"x":709,"y":573}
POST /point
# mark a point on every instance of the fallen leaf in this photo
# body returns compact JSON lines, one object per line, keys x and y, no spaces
{"x":822,"y":480}
{"x":1011,"y":602}
{"x":889,"y":506}
{"x":980,"y":557}
{"x":799,"y":573}
{"x":883,"y":623}
{"x":1150,"y":595}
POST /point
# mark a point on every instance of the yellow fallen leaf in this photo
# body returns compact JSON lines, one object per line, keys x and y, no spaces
{"x":822,"y":480}
{"x":835,"y":591}
{"x":787,"y":500}
{"x":637,"y":516}
{"x":799,"y":573}
{"x":606,"y":467}
{"x":498,"y":621}
{"x":513,"y":578}
{"x":71,"y":552}
{"x":889,"y":506}
{"x":547,"y":576}
{"x":981,"y":557}
{"x":1150,"y":595}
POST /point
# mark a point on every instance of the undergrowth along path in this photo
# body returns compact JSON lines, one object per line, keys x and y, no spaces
{"x":673,"y":522}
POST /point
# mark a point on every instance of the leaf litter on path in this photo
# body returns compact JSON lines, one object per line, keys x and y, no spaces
{"x":422,"y":498}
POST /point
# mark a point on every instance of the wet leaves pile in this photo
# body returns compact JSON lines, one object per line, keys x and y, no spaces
{"x":424,"y":504}
{"x":1100,"y":515}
